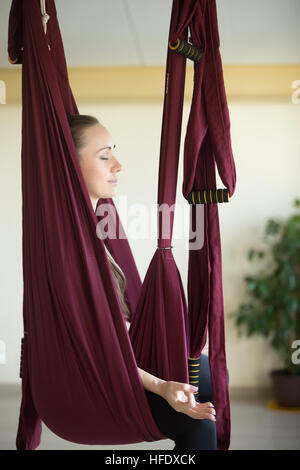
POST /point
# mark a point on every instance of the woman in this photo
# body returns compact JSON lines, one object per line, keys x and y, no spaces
{"x":177,"y":413}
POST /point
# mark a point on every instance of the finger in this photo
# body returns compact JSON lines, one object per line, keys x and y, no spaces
{"x":201,"y":415}
{"x":191,"y":400}
{"x":203,"y":407}
{"x":189,"y":388}
{"x":206,"y":405}
{"x":211,"y":417}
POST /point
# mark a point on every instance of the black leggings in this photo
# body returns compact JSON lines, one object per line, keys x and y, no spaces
{"x":187,"y":432}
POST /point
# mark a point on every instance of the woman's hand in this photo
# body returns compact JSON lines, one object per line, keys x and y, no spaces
{"x":180,"y":396}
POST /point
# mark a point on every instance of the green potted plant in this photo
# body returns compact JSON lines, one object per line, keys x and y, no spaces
{"x":273,"y":309}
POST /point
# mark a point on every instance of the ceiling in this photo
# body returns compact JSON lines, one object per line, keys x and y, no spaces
{"x":135,"y":32}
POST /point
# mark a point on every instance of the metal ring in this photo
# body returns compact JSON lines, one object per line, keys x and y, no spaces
{"x":174,"y":47}
{"x":12,"y":61}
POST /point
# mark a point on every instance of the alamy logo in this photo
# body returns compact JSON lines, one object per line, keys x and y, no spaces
{"x":140,"y":222}
{"x":296,"y":93}
{"x":2,"y":92}
{"x":296,"y":354}
{"x":2,"y":352}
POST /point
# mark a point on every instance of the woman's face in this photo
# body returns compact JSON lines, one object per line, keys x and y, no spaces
{"x":98,"y":163}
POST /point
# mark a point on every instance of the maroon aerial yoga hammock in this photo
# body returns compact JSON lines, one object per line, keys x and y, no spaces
{"x":79,"y":364}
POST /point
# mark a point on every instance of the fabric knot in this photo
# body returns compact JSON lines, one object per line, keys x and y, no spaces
{"x":45,"y":18}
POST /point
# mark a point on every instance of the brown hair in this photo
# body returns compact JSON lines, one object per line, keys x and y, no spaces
{"x":78,"y":124}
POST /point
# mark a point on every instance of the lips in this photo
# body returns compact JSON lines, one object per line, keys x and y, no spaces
{"x":113,"y":181}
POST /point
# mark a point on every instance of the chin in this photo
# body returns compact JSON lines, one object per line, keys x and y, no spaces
{"x":108,"y":195}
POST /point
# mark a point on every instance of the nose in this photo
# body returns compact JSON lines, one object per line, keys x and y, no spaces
{"x":116,"y":165}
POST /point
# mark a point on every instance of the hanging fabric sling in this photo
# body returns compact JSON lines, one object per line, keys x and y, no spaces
{"x":79,"y":363}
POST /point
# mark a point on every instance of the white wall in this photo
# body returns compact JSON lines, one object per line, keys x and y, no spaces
{"x":266,"y":147}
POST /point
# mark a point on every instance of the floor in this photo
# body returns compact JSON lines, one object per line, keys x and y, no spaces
{"x":254,"y":426}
